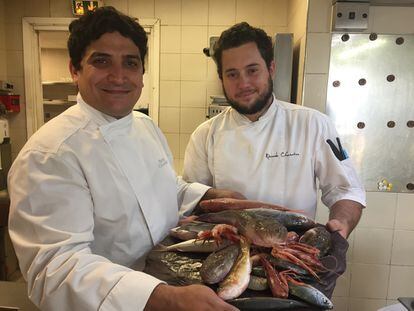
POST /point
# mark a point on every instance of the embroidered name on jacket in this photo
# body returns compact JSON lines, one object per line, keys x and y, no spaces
{"x":283,"y":154}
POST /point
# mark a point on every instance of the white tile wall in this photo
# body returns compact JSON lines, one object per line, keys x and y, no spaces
{"x":405,"y":211}
{"x":366,"y":244}
{"x":60,"y":8}
{"x":170,"y":66}
{"x":317,"y":53}
{"x":14,"y":11}
{"x":184,"y":138}
{"x":193,"y":67}
{"x":193,"y":39}
{"x":170,"y":39}
{"x":169,"y":93}
{"x":222,"y":12}
{"x":212,"y":71}
{"x":249,"y":11}
{"x":170,"y":120}
{"x":343,"y":283}
{"x":403,"y":248}
{"x":319,"y":16}
{"x":193,"y":94}
{"x":174,"y":144}
{"x":391,"y":20}
{"x":39,"y":8}
{"x":141,"y":8}
{"x":274,"y":12}
{"x":2,"y":11}
{"x":15,"y":41}
{"x":17,"y":138}
{"x":215,"y":31}
{"x":381,"y":264}
{"x":369,"y":281}
{"x":380,"y":210}
{"x":366,"y":304}
{"x":315,"y":91}
{"x":190,"y":118}
{"x":121,"y":5}
{"x":340,"y":303}
{"x":272,"y":30}
{"x":3,"y":63}
{"x":187,"y":77}
{"x":194,"y":12}
{"x":401,"y":282}
{"x":169,"y":11}
{"x":297,"y":13}
{"x":14,"y":63}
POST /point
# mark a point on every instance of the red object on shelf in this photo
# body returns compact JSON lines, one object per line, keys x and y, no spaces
{"x":11,"y":102}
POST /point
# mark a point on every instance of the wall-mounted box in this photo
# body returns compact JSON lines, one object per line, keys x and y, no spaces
{"x":350,"y":16}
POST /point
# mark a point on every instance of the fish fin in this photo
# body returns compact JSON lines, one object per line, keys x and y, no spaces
{"x":160,"y":248}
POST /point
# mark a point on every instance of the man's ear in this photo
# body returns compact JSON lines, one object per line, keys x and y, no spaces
{"x":272,"y":69}
{"x":73,"y":72}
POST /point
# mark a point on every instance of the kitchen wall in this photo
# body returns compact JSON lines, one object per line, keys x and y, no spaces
{"x":381,"y":253}
{"x":3,"y":55}
{"x":187,"y":76}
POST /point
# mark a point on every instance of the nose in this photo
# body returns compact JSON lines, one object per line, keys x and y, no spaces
{"x":116,"y":74}
{"x":243,"y":80}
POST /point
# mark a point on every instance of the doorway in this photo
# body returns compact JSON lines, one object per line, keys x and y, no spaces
{"x":49,"y":92}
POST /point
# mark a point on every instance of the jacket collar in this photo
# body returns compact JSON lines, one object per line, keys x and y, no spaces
{"x":106,"y":124}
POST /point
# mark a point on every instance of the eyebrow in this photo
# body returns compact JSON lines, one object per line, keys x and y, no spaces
{"x":102,"y":54}
{"x":248,"y":66}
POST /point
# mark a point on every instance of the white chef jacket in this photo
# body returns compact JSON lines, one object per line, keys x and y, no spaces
{"x":90,"y":196}
{"x":276,"y":159}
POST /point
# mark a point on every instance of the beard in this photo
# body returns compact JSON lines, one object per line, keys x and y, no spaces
{"x":258,"y":105}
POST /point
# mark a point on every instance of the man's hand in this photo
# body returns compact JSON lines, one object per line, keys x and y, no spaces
{"x":334,"y":225}
{"x":344,"y":216}
{"x":214,"y":193}
{"x":192,"y":297}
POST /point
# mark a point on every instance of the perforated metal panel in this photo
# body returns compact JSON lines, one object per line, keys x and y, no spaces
{"x":371,"y":101}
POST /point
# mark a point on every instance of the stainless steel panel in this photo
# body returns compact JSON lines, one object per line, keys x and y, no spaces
{"x":283,"y":54}
{"x":350,"y":16}
{"x":371,"y":101}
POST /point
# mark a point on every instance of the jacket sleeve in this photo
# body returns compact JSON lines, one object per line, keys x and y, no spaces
{"x":196,"y":158}
{"x":51,"y":225}
{"x":338,"y":179}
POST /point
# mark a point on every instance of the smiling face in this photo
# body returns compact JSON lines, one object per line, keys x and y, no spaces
{"x":110,"y":75}
{"x":247,"y":81}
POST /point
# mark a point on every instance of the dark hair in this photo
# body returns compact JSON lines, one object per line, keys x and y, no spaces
{"x":238,"y":35}
{"x":93,"y":25}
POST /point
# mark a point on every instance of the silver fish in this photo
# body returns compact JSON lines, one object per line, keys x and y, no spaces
{"x":238,"y":278}
{"x":190,"y":230}
{"x":218,"y":264}
{"x":310,"y":294}
{"x":195,"y":246}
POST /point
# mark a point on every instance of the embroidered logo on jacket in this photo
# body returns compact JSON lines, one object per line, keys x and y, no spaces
{"x":162,"y":162}
{"x":283,"y":154}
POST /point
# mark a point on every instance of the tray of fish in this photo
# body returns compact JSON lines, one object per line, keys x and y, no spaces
{"x":255,"y":256}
